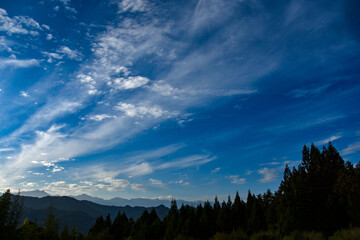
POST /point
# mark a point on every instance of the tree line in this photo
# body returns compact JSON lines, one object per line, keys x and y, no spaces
{"x":316,"y":200}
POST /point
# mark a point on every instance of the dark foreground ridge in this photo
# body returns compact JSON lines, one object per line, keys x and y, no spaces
{"x":316,"y":200}
{"x":79,"y":213}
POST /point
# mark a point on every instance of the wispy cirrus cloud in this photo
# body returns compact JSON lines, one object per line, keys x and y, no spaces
{"x":43,"y":117}
{"x":133,"y":5}
{"x":157,"y":182}
{"x":18,"y":63}
{"x":269,"y":174}
{"x":301,"y":124}
{"x":236,"y":179}
{"x":143,"y":164}
{"x":308,"y":92}
{"x":352,"y":148}
{"x":6,"y":149}
{"x":328,"y":139}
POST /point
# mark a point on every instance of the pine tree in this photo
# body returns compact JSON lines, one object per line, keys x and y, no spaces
{"x":120,"y":228}
{"x":171,"y":221}
{"x":51,"y":225}
{"x":5,"y":205}
{"x":65,"y":233}
{"x":239,"y":213}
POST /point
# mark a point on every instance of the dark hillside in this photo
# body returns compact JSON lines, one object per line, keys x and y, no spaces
{"x":80,"y":213}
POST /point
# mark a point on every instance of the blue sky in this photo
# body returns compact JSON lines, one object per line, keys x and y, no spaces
{"x":184,"y":99}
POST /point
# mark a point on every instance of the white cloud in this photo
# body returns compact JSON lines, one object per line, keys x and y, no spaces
{"x":164,"y":89}
{"x":352,"y":148}
{"x":28,"y":184}
{"x":24,"y":94}
{"x":131,"y":110}
{"x":167,"y":90}
{"x":89,"y":82}
{"x":17,"y":24}
{"x":71,"y":54}
{"x":216,"y":170}
{"x":141,"y":164}
{"x":71,"y":9}
{"x":99,"y":117}
{"x":5,"y":44}
{"x":182,"y":182}
{"x":132,"y":6}
{"x":65,"y":2}
{"x":63,"y":188}
{"x":42,"y":117}
{"x":235,"y":179}
{"x":123,"y":70}
{"x":57,"y":168}
{"x":308,"y":92}
{"x":269,"y":175}
{"x":271,"y":164}
{"x":49,"y":36}
{"x":157,"y":182}
{"x":327,"y":140}
{"x":6,"y":149}
{"x":52,"y":56}
{"x":45,"y":26}
{"x":56,"y":8}
{"x":86,"y":79}
{"x":17,"y":63}
{"x":121,"y":184}
{"x":129,"y":82}
{"x":57,"y":183}
{"x":209,"y":12}
{"x":33,"y":152}
{"x":194,"y":160}
{"x":38,"y":173}
{"x":138,"y":169}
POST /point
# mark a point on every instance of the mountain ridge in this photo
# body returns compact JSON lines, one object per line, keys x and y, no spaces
{"x":83,"y":214}
{"x":118,"y":201}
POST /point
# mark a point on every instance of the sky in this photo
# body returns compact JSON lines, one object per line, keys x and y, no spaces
{"x":184,"y":99}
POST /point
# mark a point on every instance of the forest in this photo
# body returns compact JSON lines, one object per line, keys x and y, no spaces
{"x":318,"y":199}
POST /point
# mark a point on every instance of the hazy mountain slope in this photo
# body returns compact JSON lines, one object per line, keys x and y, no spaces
{"x":143,"y":202}
{"x":35,"y":193}
{"x":80,"y":213}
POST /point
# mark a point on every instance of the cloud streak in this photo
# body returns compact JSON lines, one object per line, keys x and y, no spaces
{"x":352,"y":148}
{"x":18,"y":63}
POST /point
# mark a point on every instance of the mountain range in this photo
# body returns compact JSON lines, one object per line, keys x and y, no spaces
{"x":82,"y":213}
{"x":119,"y":202}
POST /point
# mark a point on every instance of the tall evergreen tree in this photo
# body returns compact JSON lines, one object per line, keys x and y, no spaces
{"x":239,"y":213}
{"x":5,"y":204}
{"x":51,"y":225}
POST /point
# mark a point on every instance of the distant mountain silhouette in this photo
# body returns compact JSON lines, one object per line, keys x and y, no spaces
{"x":80,"y":213}
{"x":143,"y":202}
{"x":120,"y":202}
{"x":35,"y":193}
